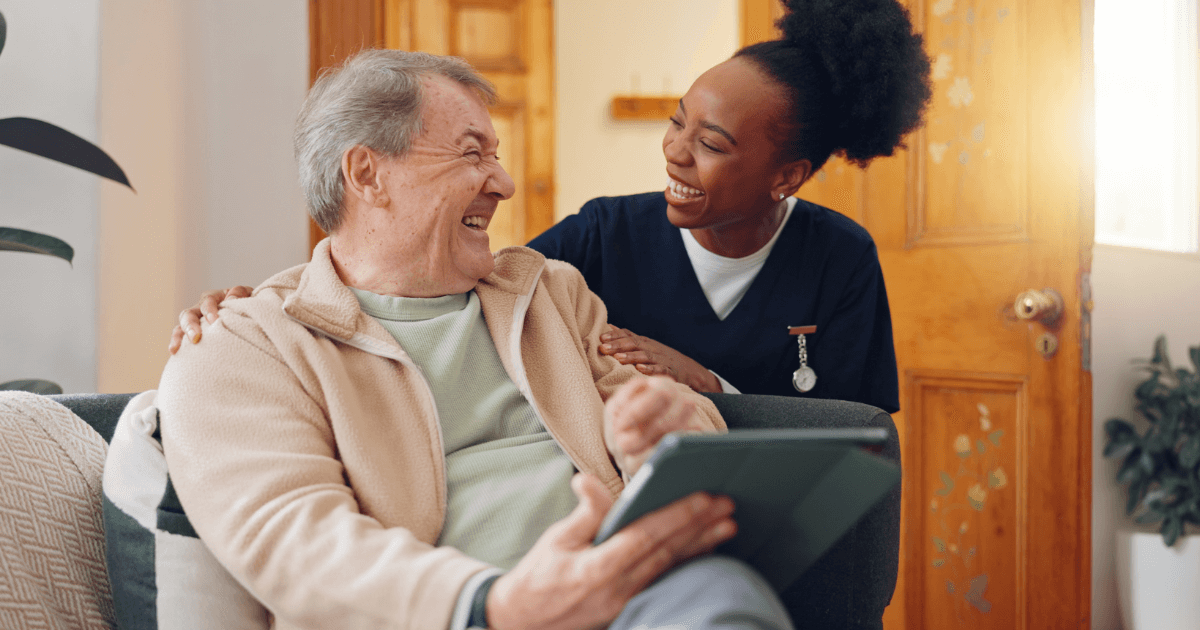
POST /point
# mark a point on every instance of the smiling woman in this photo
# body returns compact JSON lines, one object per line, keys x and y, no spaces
{"x":716,"y":271}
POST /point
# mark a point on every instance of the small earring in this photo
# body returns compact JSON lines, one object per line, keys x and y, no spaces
{"x":781,"y":196}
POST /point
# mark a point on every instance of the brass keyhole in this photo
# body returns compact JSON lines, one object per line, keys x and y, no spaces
{"x":1047,"y":344}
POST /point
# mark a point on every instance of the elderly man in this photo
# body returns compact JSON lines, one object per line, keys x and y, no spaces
{"x":408,"y":432}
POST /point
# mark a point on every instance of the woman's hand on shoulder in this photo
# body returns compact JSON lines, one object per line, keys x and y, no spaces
{"x":207,"y":307}
{"x":655,"y":359}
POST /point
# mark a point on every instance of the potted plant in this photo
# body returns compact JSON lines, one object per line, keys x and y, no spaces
{"x":54,"y":143}
{"x":1159,"y":572}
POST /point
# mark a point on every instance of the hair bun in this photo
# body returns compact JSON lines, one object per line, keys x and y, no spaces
{"x":877,"y":67}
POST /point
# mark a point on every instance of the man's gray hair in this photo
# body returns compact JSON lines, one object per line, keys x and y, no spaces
{"x":374,"y":100}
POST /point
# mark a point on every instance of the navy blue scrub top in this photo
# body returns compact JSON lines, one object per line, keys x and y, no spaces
{"x":823,"y":271}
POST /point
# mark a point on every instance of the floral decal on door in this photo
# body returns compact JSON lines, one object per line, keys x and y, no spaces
{"x":958,"y":496}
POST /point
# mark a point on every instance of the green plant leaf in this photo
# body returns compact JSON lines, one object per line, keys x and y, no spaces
{"x":995,"y":436}
{"x":939,"y":544}
{"x":1150,"y":516}
{"x":1146,"y":462}
{"x":1161,"y":356}
{"x":1136,"y":489}
{"x":1116,"y":429}
{"x":1121,"y":437}
{"x":35,"y":385}
{"x":14,"y":240}
{"x":1189,"y":455}
{"x":1129,"y":470}
{"x":980,"y":446}
{"x":1171,"y":529}
{"x":58,"y":144}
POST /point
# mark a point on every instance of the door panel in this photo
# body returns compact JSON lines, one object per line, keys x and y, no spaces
{"x":988,"y":200}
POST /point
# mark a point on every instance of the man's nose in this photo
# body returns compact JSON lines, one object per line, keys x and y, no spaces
{"x":500,"y":185}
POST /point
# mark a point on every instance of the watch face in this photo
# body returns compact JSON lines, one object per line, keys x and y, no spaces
{"x":804,"y":379}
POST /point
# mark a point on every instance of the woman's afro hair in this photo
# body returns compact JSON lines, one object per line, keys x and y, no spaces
{"x":855,"y":73}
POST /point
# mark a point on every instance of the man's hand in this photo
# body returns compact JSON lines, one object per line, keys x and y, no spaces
{"x":639,"y":414}
{"x":207,"y":307}
{"x":655,"y":359}
{"x":566,"y":583}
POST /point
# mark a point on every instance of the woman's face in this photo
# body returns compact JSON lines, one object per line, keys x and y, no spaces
{"x":721,"y":157}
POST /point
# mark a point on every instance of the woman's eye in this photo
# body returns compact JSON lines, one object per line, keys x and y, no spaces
{"x":710,"y":147}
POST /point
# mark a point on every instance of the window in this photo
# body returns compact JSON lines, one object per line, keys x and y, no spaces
{"x":1146,"y":124}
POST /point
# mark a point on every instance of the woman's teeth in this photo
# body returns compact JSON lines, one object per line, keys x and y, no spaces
{"x":682,"y":191}
{"x":476,"y":222}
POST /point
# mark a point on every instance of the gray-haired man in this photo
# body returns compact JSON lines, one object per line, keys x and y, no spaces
{"x":409,"y":432}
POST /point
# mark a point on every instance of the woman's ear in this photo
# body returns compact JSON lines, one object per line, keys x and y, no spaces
{"x":363,"y":177}
{"x":791,"y":177}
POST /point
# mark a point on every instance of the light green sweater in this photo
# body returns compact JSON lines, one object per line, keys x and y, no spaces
{"x":507,"y":478}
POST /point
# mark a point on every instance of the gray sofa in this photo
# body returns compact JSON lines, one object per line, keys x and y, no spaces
{"x":50,"y":481}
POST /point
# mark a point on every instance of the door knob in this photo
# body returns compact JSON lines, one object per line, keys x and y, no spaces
{"x":1044,"y":306}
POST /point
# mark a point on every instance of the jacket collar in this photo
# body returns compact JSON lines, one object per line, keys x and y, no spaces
{"x":321,"y":301}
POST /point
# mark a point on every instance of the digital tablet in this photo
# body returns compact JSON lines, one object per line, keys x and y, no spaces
{"x":795,"y":491}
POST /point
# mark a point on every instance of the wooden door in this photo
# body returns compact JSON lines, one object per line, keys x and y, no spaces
{"x":991,"y":198}
{"x":508,"y":41}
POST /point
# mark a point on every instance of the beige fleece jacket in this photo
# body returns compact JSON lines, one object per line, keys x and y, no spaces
{"x":306,"y":448}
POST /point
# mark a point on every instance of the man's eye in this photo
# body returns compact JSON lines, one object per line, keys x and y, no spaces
{"x":710,"y":147}
{"x":676,"y":122}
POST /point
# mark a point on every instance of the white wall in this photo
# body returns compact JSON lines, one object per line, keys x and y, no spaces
{"x":48,"y":70}
{"x":601,"y":49}
{"x":1138,"y":295}
{"x":198,"y":101}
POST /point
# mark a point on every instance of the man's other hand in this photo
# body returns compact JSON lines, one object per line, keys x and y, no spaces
{"x":639,"y":414}
{"x":566,"y":583}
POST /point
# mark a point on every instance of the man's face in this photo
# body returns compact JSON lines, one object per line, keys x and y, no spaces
{"x":444,"y":191}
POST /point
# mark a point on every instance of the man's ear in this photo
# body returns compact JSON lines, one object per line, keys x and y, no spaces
{"x":791,"y":177}
{"x":362,"y":176}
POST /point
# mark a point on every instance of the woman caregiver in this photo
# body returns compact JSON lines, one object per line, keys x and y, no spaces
{"x":729,"y":282}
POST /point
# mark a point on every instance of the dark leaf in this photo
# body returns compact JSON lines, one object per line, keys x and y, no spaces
{"x":1160,"y":353}
{"x":1146,"y":462}
{"x":58,"y":144}
{"x":1194,"y":351}
{"x":14,"y":240}
{"x":1117,"y":449}
{"x":1121,"y":436}
{"x":35,"y":385}
{"x":1154,"y":497}
{"x":1146,"y":390}
{"x":1129,"y":469}
{"x":1171,"y":529}
{"x":1150,"y":516}
{"x":1136,"y":489}
{"x":1189,"y":455}
{"x":1117,"y":428}
{"x":3,"y":32}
